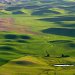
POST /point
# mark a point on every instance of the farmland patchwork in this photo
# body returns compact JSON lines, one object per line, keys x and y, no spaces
{"x":37,"y":37}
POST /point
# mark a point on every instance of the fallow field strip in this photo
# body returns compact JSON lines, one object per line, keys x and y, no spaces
{"x":8,"y":24}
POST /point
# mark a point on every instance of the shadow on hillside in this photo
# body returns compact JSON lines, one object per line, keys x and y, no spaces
{"x":68,"y":42}
{"x":7,"y":40}
{"x":60,"y":18}
{"x":60,"y":31}
{"x":60,"y":41}
{"x":13,"y":8}
{"x":21,"y":41}
{"x":17,"y":41}
{"x":71,"y":25}
{"x":18,"y":12}
{"x":31,"y":6}
{"x":24,"y":37}
{"x":10,"y":50}
{"x":71,"y":9}
{"x":14,"y":36}
{"x":68,"y":25}
{"x":3,"y":61}
{"x":7,"y":48}
{"x":42,"y":12}
{"x":72,"y":45}
{"x":10,"y":36}
{"x":23,"y":63}
{"x":60,"y":21}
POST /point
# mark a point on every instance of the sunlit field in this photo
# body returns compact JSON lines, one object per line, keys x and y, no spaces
{"x":36,"y":35}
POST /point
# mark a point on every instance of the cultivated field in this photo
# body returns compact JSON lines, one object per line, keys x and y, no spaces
{"x":36,"y":36}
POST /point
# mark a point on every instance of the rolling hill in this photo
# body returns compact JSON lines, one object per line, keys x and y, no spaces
{"x":38,"y":7}
{"x":35,"y":35}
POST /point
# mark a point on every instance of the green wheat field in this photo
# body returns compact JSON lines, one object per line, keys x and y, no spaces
{"x":35,"y":35}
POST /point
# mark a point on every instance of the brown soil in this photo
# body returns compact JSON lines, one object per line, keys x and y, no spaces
{"x":7,"y":24}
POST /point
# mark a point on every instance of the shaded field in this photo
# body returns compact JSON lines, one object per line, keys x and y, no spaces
{"x":60,"y":31}
{"x":59,"y":18}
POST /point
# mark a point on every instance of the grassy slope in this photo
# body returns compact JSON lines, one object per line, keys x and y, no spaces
{"x":36,"y":46}
{"x":36,"y":65}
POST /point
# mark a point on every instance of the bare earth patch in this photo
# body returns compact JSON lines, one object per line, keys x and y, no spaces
{"x":7,"y":24}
